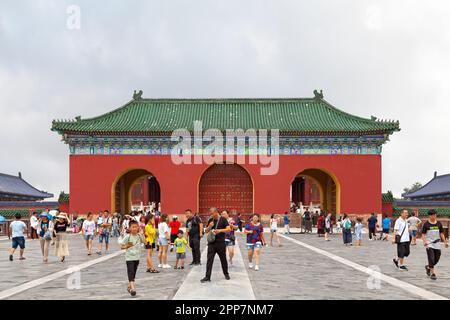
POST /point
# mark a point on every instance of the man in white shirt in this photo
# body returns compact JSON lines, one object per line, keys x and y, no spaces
{"x":414,"y":224}
{"x":17,"y":228}
{"x":402,"y":239}
{"x":34,"y":225}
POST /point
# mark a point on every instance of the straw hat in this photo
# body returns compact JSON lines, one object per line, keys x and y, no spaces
{"x":62,"y":215}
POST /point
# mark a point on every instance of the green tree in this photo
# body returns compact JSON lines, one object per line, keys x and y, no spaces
{"x":416,"y":186}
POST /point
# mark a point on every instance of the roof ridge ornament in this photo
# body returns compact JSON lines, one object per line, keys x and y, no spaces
{"x":318,"y":95}
{"x":137,"y":95}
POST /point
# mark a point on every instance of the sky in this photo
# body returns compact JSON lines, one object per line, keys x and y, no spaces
{"x":60,"y":59}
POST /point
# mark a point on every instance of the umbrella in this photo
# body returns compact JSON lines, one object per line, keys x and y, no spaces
{"x":2,"y":219}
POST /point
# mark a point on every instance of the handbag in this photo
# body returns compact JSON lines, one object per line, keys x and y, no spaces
{"x":211,"y":237}
{"x":48,"y":235}
{"x":399,"y":237}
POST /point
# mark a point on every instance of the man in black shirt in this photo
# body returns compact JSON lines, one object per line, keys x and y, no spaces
{"x":432,"y":236}
{"x":194,"y":227}
{"x":219,"y":226}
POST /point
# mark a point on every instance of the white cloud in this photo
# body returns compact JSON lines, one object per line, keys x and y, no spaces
{"x":386,"y":58}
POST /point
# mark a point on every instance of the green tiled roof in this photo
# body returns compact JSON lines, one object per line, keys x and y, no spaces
{"x":387,"y":197}
{"x":423,"y":212}
{"x":63,"y":197}
{"x":10,"y":213}
{"x":300,"y":115}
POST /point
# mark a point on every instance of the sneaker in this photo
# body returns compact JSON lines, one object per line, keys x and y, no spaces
{"x":433,"y":277}
{"x":166,"y":266}
{"x":205,"y":279}
{"x":11,"y":257}
{"x":160,"y":265}
{"x":256,"y":268}
{"x":99,"y":253}
{"x":250,"y":265}
{"x":395,"y":262}
{"x":403,"y":268}
{"x":428,"y":271}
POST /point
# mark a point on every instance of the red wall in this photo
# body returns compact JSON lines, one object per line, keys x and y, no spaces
{"x":92,"y":177}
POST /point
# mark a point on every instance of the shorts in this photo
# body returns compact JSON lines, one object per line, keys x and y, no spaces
{"x":327,"y":230}
{"x":230,"y":243}
{"x":173,"y":237}
{"x":104,"y":236}
{"x":181,"y":255}
{"x":358,"y":236}
{"x":273,"y":230}
{"x":403,"y":249}
{"x":150,"y":246}
{"x":413,"y":233}
{"x":163,"y":241}
{"x":253,"y":246}
{"x":88,"y":237}
{"x":18,"y":242}
{"x":386,"y":231}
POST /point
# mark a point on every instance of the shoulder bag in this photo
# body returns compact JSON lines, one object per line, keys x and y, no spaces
{"x":211,"y":237}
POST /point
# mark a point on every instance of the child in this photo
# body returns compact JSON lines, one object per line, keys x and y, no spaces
{"x":180,"y":244}
{"x":132,"y":242}
{"x":358,"y":231}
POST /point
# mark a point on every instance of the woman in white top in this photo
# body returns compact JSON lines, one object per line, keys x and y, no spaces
{"x":163,"y":240}
{"x":88,"y":230}
{"x":274,"y":220}
{"x":45,"y":232}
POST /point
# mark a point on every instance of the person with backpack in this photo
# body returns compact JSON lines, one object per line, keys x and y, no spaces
{"x":402,"y":240}
{"x":347,"y":230}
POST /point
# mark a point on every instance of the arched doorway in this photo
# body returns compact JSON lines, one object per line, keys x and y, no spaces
{"x":134,"y":187}
{"x":318,"y":187}
{"x":226,"y":186}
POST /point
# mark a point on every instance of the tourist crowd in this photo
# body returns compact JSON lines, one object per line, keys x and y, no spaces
{"x":154,"y":232}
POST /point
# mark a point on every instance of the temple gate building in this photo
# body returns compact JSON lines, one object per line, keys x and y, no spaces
{"x":125,"y":156}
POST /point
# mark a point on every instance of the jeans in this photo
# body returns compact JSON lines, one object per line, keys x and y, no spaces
{"x":347,"y":235}
{"x":194,"y":243}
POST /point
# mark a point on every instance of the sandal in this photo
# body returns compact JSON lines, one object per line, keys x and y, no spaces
{"x":154,"y":271}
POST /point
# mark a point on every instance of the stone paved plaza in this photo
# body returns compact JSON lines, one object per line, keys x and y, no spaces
{"x":305,"y":267}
